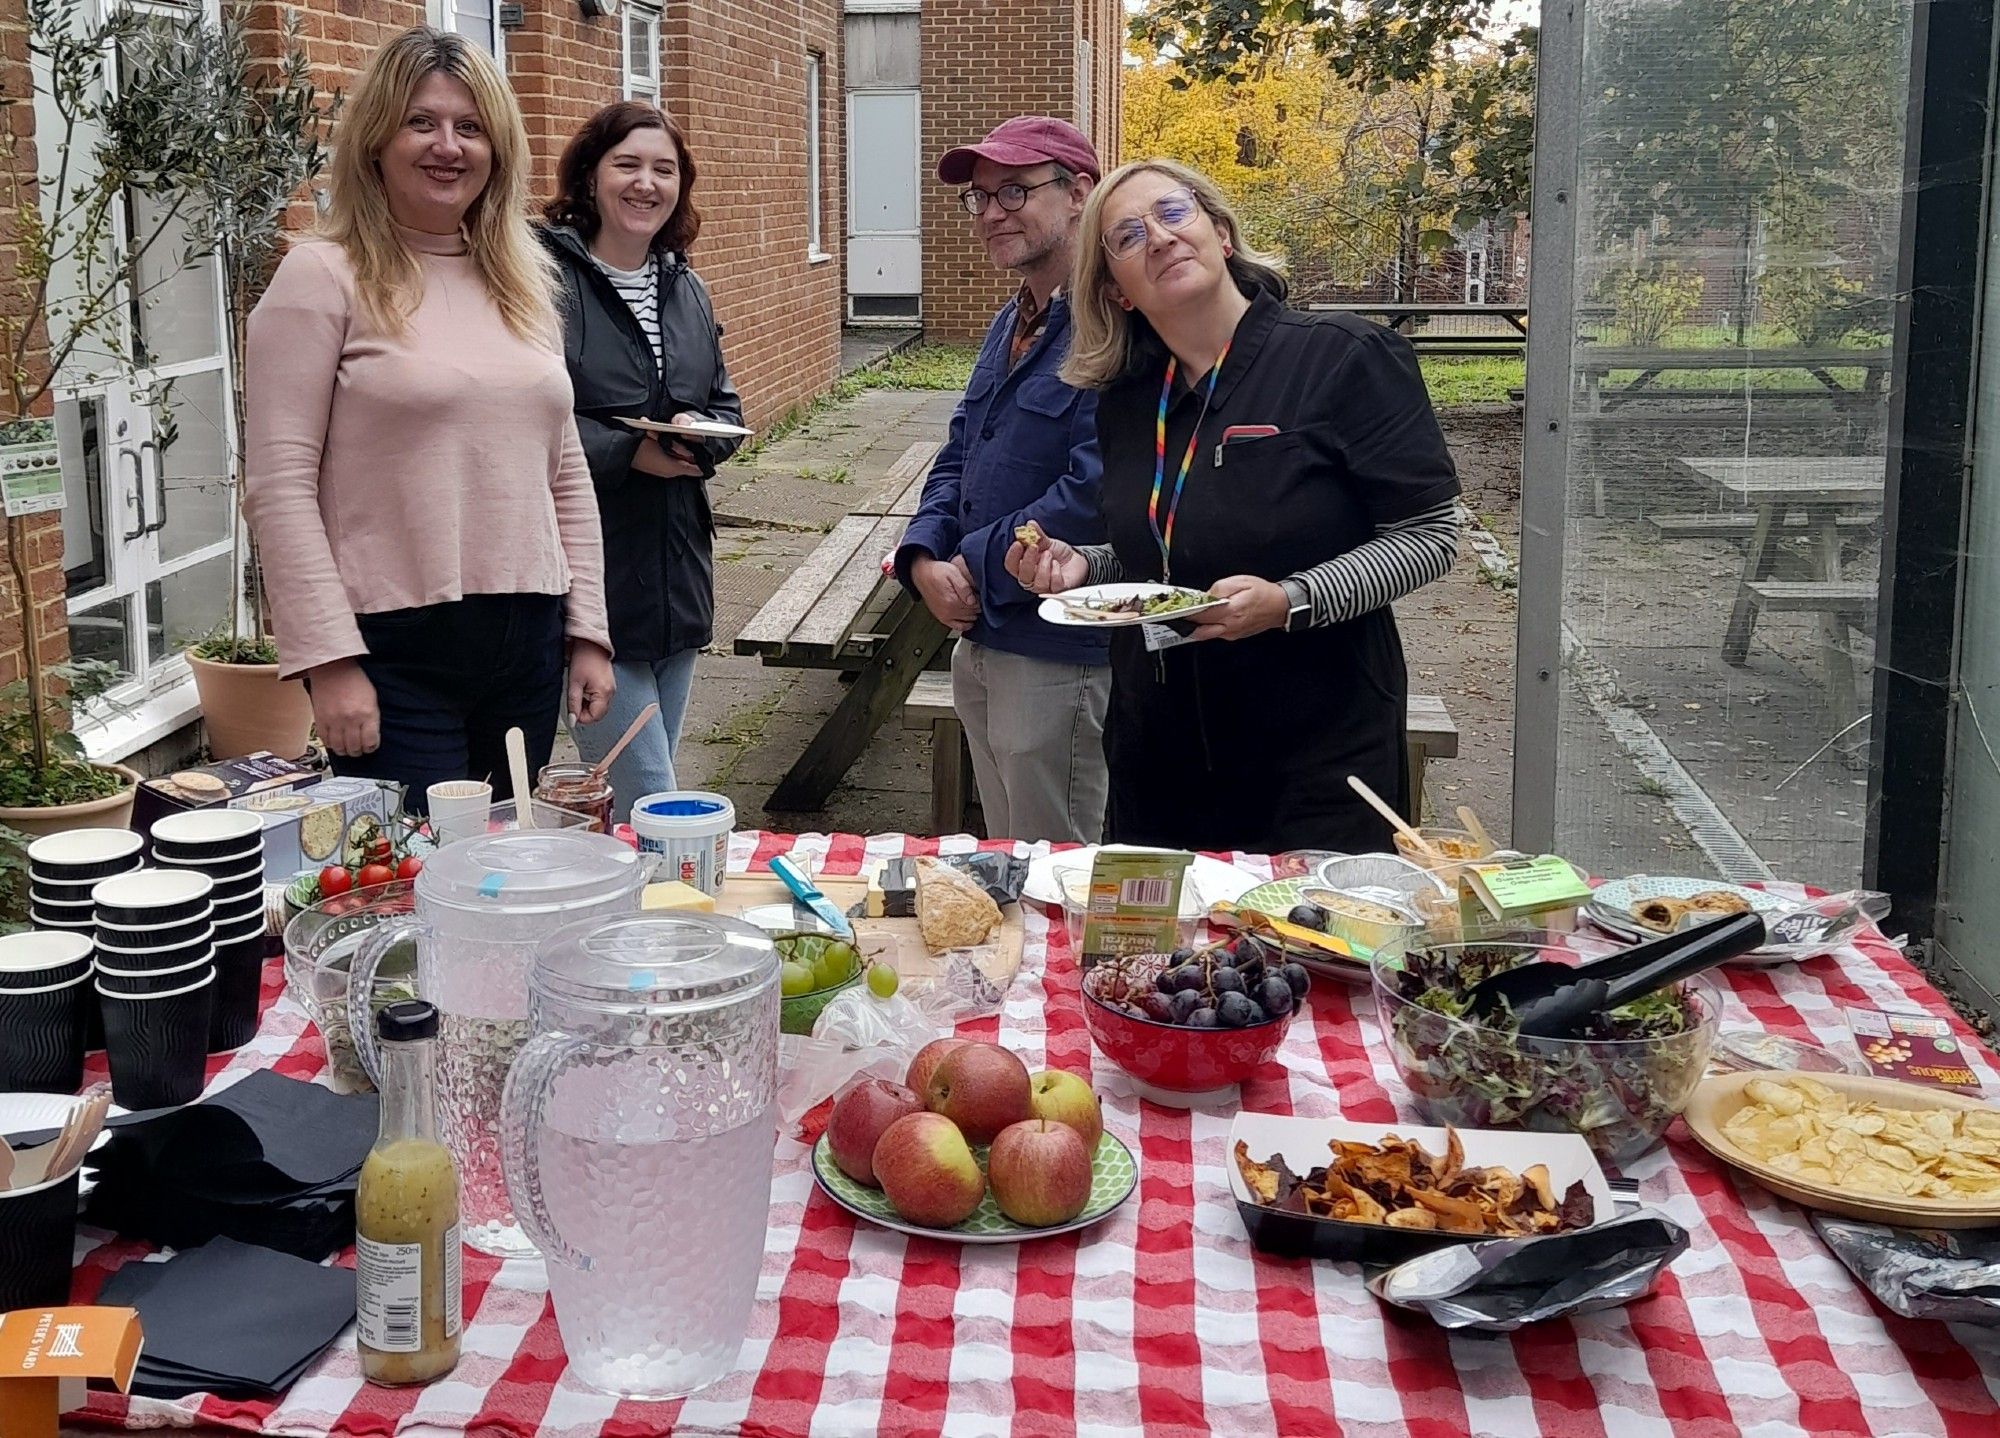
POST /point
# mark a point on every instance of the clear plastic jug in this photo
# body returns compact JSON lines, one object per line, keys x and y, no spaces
{"x":640,"y":1126}
{"x":482,"y":907}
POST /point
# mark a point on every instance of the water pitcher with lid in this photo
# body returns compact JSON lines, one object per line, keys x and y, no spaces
{"x":482,"y":906}
{"x":640,"y":1123}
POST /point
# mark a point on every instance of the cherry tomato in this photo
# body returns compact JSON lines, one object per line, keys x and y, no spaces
{"x":379,"y":850}
{"x":334,"y":881}
{"x":372,"y":874}
{"x":410,"y":867}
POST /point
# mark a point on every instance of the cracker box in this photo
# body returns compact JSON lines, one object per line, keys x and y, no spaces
{"x":47,"y":1355}
{"x":222,"y":783}
{"x":330,"y":822}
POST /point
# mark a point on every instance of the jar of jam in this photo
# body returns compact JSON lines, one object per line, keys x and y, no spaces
{"x":575,"y":788}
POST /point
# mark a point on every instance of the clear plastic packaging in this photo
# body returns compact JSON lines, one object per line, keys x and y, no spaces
{"x":856,"y":1036}
{"x":1741,"y":1050}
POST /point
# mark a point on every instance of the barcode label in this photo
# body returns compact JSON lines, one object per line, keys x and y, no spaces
{"x":1145,"y":893}
{"x":388,"y":1295}
{"x":454,"y":1284}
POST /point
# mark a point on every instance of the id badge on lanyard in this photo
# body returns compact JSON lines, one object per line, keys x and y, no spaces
{"x":1158,"y":637}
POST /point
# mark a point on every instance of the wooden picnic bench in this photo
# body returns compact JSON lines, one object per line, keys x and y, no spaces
{"x":1409,"y":320}
{"x":1432,"y":735}
{"x":839,"y":610}
{"x":1593,"y":365}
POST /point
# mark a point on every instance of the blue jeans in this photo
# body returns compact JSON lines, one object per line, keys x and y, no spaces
{"x":647,"y":765}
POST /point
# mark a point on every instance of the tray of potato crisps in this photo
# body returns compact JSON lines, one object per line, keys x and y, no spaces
{"x":1867,"y":1148}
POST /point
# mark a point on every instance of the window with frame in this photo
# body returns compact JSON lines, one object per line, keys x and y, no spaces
{"x":815,"y":235}
{"x":477,"y":20}
{"x":642,"y":52}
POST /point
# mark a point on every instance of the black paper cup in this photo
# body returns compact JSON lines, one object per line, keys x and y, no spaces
{"x":134,"y":983}
{"x":157,"y":1046}
{"x":37,"y":1243}
{"x":154,"y":936}
{"x":239,"y":917}
{"x":42,"y":1037}
{"x":237,"y":895}
{"x":152,"y":896}
{"x":248,"y":861}
{"x":239,"y":985}
{"x":65,"y":905}
{"x":40,"y":919}
{"x":207,"y":833}
{"x":153,"y":960}
{"x":80,"y":854}
{"x":67,"y":891}
{"x":40,"y":959}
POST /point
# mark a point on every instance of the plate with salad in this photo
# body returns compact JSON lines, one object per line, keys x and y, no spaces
{"x":1104,"y":606}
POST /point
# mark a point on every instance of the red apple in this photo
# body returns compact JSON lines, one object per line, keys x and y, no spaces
{"x":982,"y":1088}
{"x":1040,"y":1172}
{"x":928,"y":1058}
{"x":927,"y":1172}
{"x":860,"y":1116}
{"x":1062,"y":1097}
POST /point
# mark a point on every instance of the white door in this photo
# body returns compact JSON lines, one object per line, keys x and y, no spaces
{"x":884,"y":237}
{"x":149,"y":517}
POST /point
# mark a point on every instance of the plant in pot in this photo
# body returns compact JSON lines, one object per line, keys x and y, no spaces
{"x":244,"y":135}
{"x":47,"y":782}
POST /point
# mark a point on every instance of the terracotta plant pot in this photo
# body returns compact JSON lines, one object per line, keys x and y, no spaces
{"x":247,"y":707}
{"x":114,"y":811}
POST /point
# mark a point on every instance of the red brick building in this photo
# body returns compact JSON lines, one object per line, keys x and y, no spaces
{"x":765,"y":90}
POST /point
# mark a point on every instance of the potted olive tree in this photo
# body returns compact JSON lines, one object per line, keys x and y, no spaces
{"x":245,"y":135}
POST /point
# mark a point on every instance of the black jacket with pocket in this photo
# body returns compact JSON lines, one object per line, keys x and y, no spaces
{"x":659,"y":551}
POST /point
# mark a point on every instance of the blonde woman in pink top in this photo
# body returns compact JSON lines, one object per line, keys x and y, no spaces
{"x":425,"y":517}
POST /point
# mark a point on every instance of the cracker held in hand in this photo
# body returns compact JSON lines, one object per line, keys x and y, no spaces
{"x":953,"y":912}
{"x":1816,"y":1135}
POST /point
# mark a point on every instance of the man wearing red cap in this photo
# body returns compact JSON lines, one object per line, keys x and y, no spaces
{"x":1022,"y":449}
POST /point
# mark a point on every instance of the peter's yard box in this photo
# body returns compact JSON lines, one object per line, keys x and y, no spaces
{"x":216,"y":784}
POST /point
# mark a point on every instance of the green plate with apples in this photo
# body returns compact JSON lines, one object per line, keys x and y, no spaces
{"x":1114,"y":1173}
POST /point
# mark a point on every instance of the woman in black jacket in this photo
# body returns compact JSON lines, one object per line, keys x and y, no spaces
{"x":641,"y":342}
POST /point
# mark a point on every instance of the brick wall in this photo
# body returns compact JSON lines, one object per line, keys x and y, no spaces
{"x":982,"y":64}
{"x":735,"y":73}
{"x":40,"y":535}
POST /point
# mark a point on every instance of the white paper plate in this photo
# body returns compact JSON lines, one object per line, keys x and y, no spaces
{"x":692,"y":429}
{"x":1612,"y":902}
{"x":1064,"y":608}
{"x":1207,"y":882}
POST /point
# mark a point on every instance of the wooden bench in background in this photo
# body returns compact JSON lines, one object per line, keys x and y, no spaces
{"x":1433,"y":735}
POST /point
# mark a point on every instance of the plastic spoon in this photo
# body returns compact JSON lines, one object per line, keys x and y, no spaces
{"x":1467,"y":817}
{"x":1396,"y":821}
{"x":1564,"y":1011}
{"x":603,"y":766}
{"x":517,"y":763}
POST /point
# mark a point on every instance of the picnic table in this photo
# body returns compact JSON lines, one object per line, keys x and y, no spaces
{"x":1817,"y":495}
{"x":839,"y":610}
{"x":1593,"y":365}
{"x":1411,"y":319}
{"x":1162,"y":1320}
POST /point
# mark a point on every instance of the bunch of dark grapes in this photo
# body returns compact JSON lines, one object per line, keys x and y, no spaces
{"x":1227,"y":985}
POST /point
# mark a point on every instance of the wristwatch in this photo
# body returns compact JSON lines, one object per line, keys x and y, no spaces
{"x":1299,"y":616}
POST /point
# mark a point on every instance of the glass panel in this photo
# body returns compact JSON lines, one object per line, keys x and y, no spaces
{"x":175,"y":300}
{"x":76,"y":280}
{"x":104,"y":632}
{"x":1738,"y":197}
{"x":186,"y":605}
{"x":474,"y":20}
{"x":1969,"y":914}
{"x":86,"y":466}
{"x":194,"y":467}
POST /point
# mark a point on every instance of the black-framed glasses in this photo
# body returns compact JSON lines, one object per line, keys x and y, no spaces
{"x":1010,"y":196}
{"x":1175,"y":210}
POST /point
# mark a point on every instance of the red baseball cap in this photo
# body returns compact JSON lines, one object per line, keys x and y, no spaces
{"x":1024,"y":140}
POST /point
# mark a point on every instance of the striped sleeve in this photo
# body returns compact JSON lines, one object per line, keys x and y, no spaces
{"x":1400,"y":559}
{"x":1102,"y":562}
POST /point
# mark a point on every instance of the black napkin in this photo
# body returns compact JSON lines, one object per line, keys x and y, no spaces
{"x":230,"y":1318}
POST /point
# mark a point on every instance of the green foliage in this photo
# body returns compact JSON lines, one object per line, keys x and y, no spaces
{"x":1820,"y":307}
{"x":1476,"y":380}
{"x":1647,"y":302}
{"x":924,"y":366}
{"x":27,"y":431}
{"x":65,"y":775}
{"x":1372,"y":44}
{"x":13,"y":880}
{"x":222,"y":647}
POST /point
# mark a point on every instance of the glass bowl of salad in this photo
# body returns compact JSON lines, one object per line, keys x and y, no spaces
{"x":1620,"y":1085}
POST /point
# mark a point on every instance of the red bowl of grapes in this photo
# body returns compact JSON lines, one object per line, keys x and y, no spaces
{"x":1196,"y":1020}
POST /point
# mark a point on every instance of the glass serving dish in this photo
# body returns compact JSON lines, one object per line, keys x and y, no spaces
{"x":1620,"y":1094}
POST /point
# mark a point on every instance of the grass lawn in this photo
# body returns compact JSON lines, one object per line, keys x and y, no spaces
{"x":1477,"y":380}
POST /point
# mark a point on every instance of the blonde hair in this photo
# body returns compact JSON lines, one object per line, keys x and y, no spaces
{"x":1102,"y":335}
{"x":387,"y":277}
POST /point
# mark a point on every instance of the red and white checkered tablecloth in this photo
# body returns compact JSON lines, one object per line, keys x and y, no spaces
{"x":1162,"y":1322}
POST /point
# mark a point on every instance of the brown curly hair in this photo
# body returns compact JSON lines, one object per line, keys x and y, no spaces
{"x":573,"y":204}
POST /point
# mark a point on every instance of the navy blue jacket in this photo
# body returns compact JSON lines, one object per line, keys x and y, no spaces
{"x":1023,"y":445}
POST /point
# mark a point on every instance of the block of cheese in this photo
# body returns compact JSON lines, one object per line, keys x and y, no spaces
{"x":673,"y":894}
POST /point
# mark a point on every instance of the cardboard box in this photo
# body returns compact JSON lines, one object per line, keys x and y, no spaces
{"x":211,"y":784}
{"x":48,"y":1354}
{"x":309,"y":828}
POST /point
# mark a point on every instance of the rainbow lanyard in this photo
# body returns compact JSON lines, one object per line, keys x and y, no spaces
{"x":1165,"y":537}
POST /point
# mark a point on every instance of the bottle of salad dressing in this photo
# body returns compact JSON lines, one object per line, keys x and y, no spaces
{"x":408,"y":1293}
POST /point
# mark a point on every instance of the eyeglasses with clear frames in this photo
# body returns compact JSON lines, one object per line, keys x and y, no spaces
{"x":1175,"y":210}
{"x":1010,"y":196}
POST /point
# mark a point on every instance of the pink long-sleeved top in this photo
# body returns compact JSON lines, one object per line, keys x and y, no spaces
{"x":391,"y":471}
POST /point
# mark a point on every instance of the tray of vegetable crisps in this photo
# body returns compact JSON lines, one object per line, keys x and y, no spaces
{"x":1869,"y":1148}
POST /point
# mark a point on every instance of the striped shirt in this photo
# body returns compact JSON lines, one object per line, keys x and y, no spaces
{"x":640,"y":289}
{"x":1400,"y":559}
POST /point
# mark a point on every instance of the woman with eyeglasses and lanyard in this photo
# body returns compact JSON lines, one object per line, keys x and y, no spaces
{"x":1288,"y":463}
